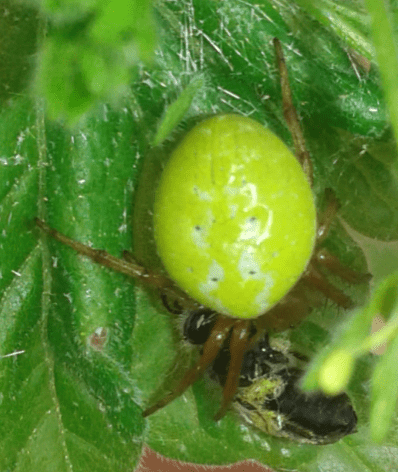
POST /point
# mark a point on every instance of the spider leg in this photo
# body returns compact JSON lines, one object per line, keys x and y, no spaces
{"x":290,"y":114}
{"x":129,"y":257}
{"x":325,"y":220}
{"x":289,"y":312}
{"x":180,"y":301}
{"x":313,"y":277}
{"x":238,"y":346}
{"x":333,"y":264}
{"x":125,"y":266}
{"x":175,"y":309}
{"x":210,"y":350}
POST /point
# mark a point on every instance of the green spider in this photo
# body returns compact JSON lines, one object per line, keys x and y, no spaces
{"x":236,"y":228}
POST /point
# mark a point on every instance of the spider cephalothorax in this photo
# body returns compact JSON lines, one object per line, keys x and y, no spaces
{"x":236,"y":229}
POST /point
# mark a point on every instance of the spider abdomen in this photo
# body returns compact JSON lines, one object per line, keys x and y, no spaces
{"x":234,"y":218}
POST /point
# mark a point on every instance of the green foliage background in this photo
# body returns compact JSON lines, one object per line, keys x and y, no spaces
{"x":67,"y":402}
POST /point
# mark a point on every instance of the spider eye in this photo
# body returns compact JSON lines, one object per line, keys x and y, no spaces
{"x":234,"y":216}
{"x":198,"y":325}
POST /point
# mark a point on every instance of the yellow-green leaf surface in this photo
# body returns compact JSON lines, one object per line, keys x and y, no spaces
{"x":82,"y":349}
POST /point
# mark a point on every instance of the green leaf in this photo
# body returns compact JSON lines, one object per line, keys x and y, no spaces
{"x":333,"y":366}
{"x":91,"y":52}
{"x":18,"y":25}
{"x":86,"y":349}
{"x":384,"y":400}
{"x":349,"y":21}
{"x":66,"y":401}
{"x":177,"y":111}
